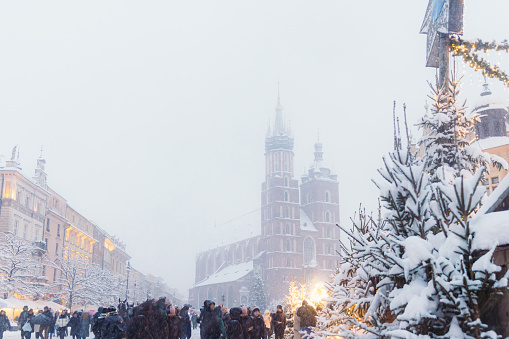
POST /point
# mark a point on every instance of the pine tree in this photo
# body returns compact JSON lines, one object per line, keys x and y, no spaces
{"x":257,"y":293}
{"x":414,"y":272}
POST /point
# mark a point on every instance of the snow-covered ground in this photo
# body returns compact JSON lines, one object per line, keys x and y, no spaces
{"x":17,"y":335}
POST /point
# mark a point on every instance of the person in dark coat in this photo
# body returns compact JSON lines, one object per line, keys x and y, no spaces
{"x":258,"y":325}
{"x":194,"y":320}
{"x":5,"y":324}
{"x":210,"y":327}
{"x":97,"y":322}
{"x":113,"y":326}
{"x":75,"y":325}
{"x":185,"y":323}
{"x":45,"y":324}
{"x":307,"y":314}
{"x":30,"y":319}
{"x":52,"y":327}
{"x":279,"y":322}
{"x":247,"y":322}
{"x":23,"y":317}
{"x":85,"y":325}
{"x":234,"y":328}
{"x":147,"y":322}
{"x":174,"y":324}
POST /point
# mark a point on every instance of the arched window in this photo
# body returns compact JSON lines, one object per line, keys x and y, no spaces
{"x":287,"y":229}
{"x":309,"y":251}
{"x":288,"y":246}
{"x":286,"y":181}
{"x":286,"y":196}
{"x":327,"y":196}
{"x":327,"y":216}
{"x":287,"y":212}
{"x":328,"y":232}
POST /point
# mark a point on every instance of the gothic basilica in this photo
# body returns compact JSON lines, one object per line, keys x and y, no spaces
{"x":298,"y":238}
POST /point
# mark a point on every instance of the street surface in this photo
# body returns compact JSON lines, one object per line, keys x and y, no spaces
{"x":17,"y":335}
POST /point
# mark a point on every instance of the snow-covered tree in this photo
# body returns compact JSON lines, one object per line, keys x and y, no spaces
{"x":413,"y":272}
{"x":257,"y":293}
{"x":20,"y":266}
{"x":80,"y":282}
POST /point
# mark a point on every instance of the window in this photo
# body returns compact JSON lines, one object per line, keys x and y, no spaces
{"x":485,"y":182}
{"x":328,"y":232}
{"x":287,"y":229}
{"x":36,"y":235}
{"x":327,"y":196}
{"x":25,"y":231}
{"x":494,"y":180}
{"x":286,"y":181}
{"x":288,"y":246}
{"x":286,"y":196}
{"x":58,"y":230}
{"x":309,"y":198}
{"x":309,"y":251}
{"x":16,"y":225}
{"x":54,"y":274}
{"x":46,"y":244}
{"x":327,"y":217}
{"x":56,"y":249}
{"x":47,"y":224}
{"x":287,"y":212}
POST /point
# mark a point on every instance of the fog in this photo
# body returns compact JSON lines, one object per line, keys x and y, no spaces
{"x":152,"y":114}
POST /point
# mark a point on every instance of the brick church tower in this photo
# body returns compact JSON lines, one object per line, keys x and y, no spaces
{"x":280,"y":210}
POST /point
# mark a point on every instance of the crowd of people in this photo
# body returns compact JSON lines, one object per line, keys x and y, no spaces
{"x":46,"y":324}
{"x":162,"y":320}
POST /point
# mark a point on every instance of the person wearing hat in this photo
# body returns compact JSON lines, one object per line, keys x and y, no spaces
{"x":44,"y":328}
{"x":22,"y":320}
{"x":5,"y":324}
{"x":279,"y":322}
{"x":258,"y":324}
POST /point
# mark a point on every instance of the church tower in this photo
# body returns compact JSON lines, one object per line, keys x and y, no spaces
{"x":280,"y":213}
{"x":320,"y":203}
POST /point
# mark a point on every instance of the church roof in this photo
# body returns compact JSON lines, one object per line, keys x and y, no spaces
{"x":305,"y":222}
{"x":492,"y":142}
{"x":228,"y":274}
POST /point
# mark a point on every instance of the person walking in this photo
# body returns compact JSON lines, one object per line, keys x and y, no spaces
{"x":61,"y":322}
{"x":209,"y":324}
{"x":279,"y":322}
{"x":22,"y":320}
{"x":258,"y":325}
{"x":47,"y":319}
{"x":5,"y":324}
{"x":85,"y":325}
{"x":307,"y":314}
{"x":185,"y":323}
{"x":75,"y":324}
{"x":268,"y":325}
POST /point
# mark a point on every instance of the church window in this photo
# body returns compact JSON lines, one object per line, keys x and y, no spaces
{"x":327,"y":216}
{"x":286,"y":181}
{"x":327,"y":196}
{"x":288,"y":246}
{"x":287,"y":212}
{"x":287,"y":229}
{"x":327,"y":232}
{"x":309,"y":251}
{"x":286,"y":196}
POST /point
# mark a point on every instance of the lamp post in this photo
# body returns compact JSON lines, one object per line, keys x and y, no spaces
{"x":127,"y":284}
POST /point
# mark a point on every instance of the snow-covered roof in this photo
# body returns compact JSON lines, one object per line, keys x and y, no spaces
{"x":305,"y":222}
{"x":492,"y":227}
{"x":228,"y":274}
{"x":490,"y":102}
{"x":492,"y":142}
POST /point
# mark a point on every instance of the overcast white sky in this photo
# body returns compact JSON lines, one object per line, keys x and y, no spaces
{"x":153,"y":113}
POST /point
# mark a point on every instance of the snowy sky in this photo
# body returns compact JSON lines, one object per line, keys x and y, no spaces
{"x":153,"y":113}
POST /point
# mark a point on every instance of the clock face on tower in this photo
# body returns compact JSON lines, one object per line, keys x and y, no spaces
{"x":438,"y":5}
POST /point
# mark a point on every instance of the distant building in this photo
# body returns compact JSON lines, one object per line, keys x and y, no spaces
{"x":298,"y":238}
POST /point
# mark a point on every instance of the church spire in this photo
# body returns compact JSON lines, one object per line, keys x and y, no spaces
{"x":279,"y":128}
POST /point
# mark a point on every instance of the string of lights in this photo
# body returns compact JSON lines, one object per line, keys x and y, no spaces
{"x":468,"y":51}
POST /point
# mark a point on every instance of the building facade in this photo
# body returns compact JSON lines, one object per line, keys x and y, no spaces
{"x":298,"y":236}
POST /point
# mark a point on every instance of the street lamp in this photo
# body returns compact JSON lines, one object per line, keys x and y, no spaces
{"x":127,"y":284}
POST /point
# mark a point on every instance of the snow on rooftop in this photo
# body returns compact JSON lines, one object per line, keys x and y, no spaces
{"x":228,"y":274}
{"x":491,"y":229}
{"x":305,"y":222}
{"x":492,"y":142}
{"x":490,"y":102}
